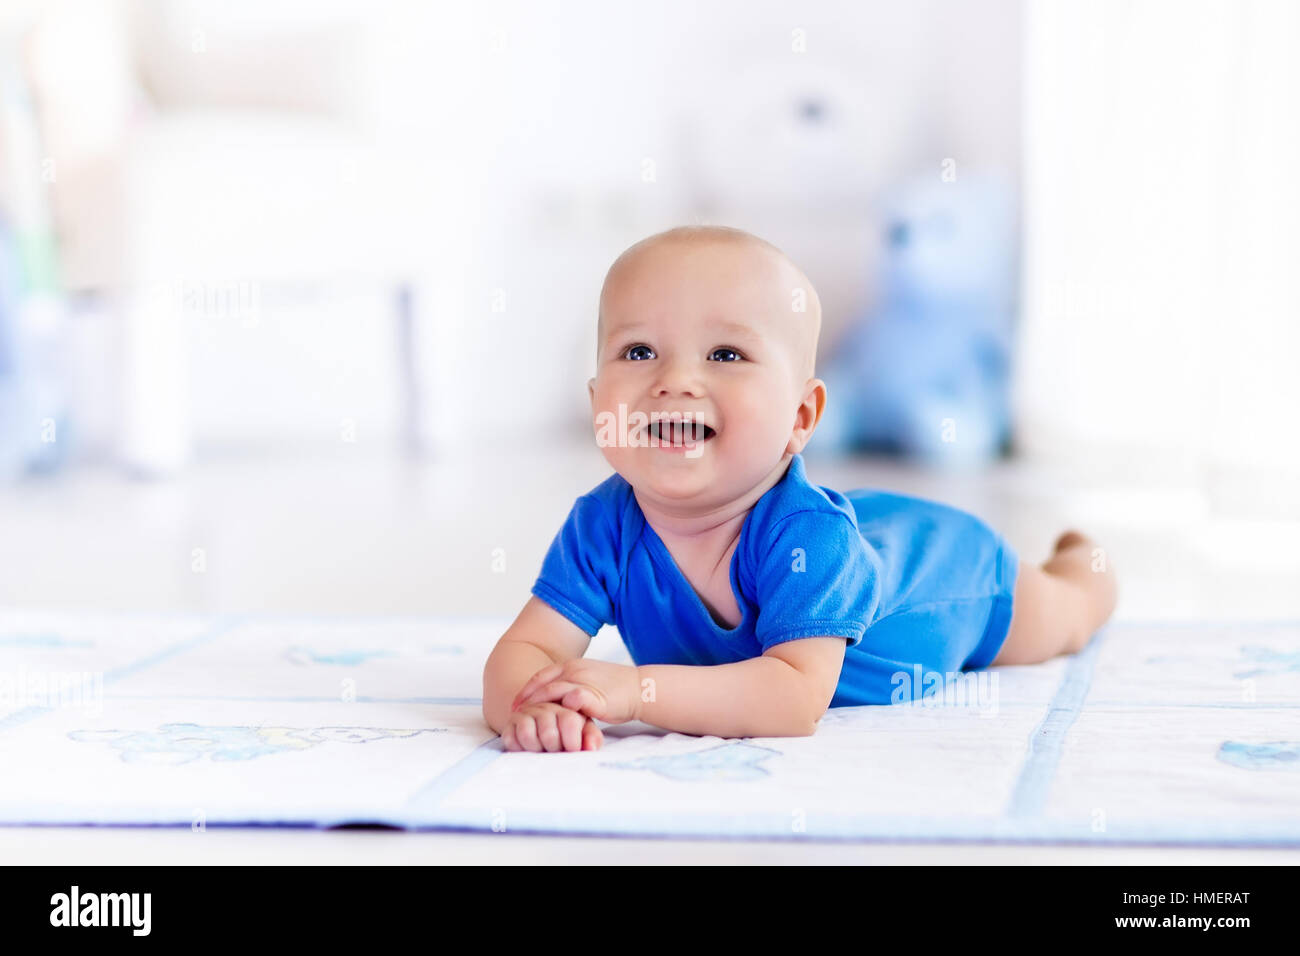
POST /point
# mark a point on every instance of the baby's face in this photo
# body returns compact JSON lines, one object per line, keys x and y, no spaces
{"x":710,"y":331}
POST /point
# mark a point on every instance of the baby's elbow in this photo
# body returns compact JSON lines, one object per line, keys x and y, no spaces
{"x":806,"y":730}
{"x":810,"y":722}
{"x":818,"y":704}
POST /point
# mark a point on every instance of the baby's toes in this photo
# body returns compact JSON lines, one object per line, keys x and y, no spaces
{"x":1069,"y":539}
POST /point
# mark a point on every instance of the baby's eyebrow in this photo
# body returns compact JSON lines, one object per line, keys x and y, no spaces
{"x":736,"y":328}
{"x":632,"y":328}
{"x":727,"y":327}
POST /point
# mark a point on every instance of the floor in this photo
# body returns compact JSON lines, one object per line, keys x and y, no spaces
{"x":358,"y":530}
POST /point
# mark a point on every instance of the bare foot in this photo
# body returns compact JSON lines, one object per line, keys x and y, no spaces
{"x":1059,"y":605}
{"x":1080,"y":561}
{"x":1068,"y":539}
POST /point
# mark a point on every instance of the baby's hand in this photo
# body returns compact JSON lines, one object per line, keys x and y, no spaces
{"x":550,"y":727}
{"x":600,"y":689}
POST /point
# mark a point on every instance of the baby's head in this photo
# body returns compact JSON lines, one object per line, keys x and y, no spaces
{"x":718,"y":329}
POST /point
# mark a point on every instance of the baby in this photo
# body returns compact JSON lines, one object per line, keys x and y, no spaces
{"x":750,"y":599}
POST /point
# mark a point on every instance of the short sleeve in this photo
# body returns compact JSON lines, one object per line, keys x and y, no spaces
{"x":580,"y":571}
{"x":815,"y":577}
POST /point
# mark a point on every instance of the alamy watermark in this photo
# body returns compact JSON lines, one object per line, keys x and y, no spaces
{"x":638,"y":429}
{"x":977,"y":689}
{"x":54,"y":689}
{"x":75,"y":908}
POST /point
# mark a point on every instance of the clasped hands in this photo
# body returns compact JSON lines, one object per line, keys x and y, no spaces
{"x":558,"y":707}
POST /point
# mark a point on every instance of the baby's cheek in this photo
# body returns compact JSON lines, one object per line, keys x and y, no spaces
{"x":756,"y":431}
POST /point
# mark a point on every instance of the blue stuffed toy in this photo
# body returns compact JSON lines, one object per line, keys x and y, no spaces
{"x":927,"y":376}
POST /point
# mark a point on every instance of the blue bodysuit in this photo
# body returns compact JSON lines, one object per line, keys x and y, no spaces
{"x":909,"y":582}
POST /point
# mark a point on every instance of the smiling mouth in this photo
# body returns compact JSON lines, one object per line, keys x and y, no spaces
{"x":679,"y":433}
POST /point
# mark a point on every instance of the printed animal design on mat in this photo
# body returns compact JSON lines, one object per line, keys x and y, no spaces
{"x":183,"y":743}
{"x":1269,"y":661}
{"x":357,"y":656}
{"x":1274,"y":755}
{"x":726,"y":762}
{"x":40,"y":640}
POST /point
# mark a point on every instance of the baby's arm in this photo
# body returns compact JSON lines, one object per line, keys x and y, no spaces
{"x":539,"y":637}
{"x":783,"y":693}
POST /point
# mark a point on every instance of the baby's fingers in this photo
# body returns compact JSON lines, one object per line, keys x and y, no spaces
{"x":549,"y":728}
{"x":551,"y":691}
{"x":571,"y":727}
{"x":543,"y":676}
{"x":524,"y":727}
{"x":558,"y":728}
{"x":509,"y":739}
{"x":583,"y":699}
{"x":592,"y":738}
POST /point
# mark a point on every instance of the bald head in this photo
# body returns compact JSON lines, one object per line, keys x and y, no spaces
{"x":793,"y":294}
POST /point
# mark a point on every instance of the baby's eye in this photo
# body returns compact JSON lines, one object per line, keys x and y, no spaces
{"x":639,"y":353}
{"x":725,"y":355}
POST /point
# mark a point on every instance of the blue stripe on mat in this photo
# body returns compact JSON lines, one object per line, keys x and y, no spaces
{"x":1039,"y":770}
{"x":423,"y":805}
{"x":219,"y":627}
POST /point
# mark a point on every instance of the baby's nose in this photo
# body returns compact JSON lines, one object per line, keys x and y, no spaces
{"x":679,"y":378}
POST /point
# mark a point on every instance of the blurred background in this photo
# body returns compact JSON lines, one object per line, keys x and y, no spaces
{"x":297,"y":299}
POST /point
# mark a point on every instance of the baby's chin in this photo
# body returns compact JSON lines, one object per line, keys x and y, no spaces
{"x":678,"y":479}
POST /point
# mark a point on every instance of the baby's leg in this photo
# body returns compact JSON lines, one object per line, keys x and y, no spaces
{"x":1058,"y":606}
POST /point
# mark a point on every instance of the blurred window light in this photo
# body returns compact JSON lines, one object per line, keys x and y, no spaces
{"x":1161,"y":294}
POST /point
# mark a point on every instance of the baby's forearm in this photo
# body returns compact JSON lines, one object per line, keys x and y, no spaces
{"x":759,"y":697}
{"x":508,"y":669}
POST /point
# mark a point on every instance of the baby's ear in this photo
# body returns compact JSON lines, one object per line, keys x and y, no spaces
{"x":591,"y":389}
{"x":809,"y":414}
{"x":818,"y":392}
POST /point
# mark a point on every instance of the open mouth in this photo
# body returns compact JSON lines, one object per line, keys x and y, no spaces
{"x":679,"y":433}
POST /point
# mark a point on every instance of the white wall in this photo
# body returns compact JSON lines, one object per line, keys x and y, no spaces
{"x":1161,"y":291}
